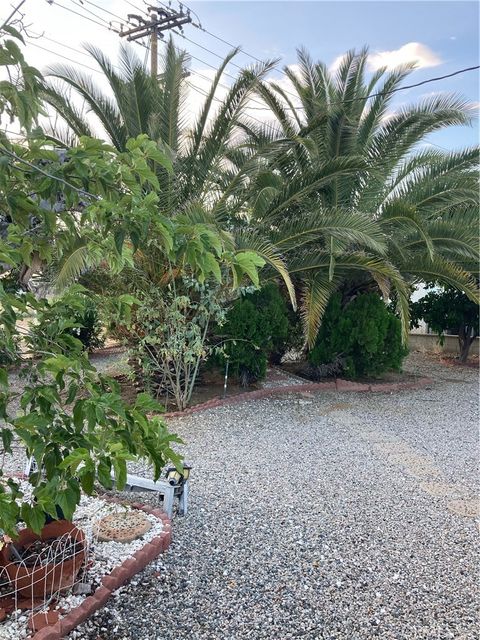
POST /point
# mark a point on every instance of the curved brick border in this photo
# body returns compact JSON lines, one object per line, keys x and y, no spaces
{"x":338,"y":385}
{"x":113,"y":580}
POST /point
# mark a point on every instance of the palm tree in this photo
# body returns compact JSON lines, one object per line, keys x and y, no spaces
{"x":417,"y":205}
{"x":205,"y":186}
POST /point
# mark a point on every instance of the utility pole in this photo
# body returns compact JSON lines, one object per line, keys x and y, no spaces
{"x":159,"y":20}
{"x":154,"y":46}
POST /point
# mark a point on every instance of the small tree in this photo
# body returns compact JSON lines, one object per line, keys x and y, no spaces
{"x":449,"y":310}
{"x":167,"y":339}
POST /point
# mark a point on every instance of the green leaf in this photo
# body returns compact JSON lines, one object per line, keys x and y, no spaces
{"x":7,"y":439}
{"x":119,"y":238}
{"x":33,"y":516}
{"x":74,"y":459}
{"x":249,"y":263}
{"x":145,"y":402}
{"x":4,"y":379}
{"x":120,"y":468}
{"x":13,"y":32}
{"x":67,"y":500}
{"x":87,"y":480}
{"x":104,"y":473}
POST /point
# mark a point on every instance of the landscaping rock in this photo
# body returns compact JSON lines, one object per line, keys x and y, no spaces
{"x":301,"y":526}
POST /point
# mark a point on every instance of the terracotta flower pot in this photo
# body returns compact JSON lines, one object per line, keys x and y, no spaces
{"x":44,"y":579}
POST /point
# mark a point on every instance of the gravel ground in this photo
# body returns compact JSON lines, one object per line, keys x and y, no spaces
{"x":320,"y":516}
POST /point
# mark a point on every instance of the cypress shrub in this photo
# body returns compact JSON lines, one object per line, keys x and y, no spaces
{"x":256,"y":331}
{"x":364,"y":337}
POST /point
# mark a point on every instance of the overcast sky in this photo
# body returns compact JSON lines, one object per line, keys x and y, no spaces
{"x":440,"y":36}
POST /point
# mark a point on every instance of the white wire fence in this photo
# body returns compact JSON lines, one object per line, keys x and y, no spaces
{"x":36,"y":572}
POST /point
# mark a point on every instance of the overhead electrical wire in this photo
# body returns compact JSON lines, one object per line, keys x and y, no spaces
{"x":81,"y":5}
{"x":82,"y":15}
{"x":93,"y":4}
{"x":217,"y":55}
{"x":372,"y":95}
{"x":107,"y":26}
{"x":55,"y":53}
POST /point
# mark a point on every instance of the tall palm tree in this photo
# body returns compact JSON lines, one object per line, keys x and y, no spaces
{"x":205,"y":185}
{"x":419,"y":203}
{"x":138,"y":104}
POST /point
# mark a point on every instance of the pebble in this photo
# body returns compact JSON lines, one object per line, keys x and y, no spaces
{"x":380,"y":557}
{"x":106,"y":556}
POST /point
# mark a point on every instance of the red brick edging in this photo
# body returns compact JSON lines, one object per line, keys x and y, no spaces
{"x":338,"y":385}
{"x":115,"y":579}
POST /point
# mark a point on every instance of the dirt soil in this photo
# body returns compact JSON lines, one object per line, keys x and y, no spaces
{"x":210,"y":386}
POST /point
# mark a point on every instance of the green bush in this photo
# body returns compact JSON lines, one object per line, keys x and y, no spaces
{"x":89,"y":330}
{"x":364,"y":337}
{"x":82,"y":323}
{"x":256,"y":330}
{"x":9,"y":352}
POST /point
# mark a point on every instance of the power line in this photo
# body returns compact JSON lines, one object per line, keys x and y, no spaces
{"x":80,"y":4}
{"x":82,"y":15}
{"x":107,"y":26}
{"x":300,"y":107}
{"x":411,"y":86}
{"x":42,"y":36}
{"x":55,"y":53}
{"x":386,"y":93}
{"x":93,"y":4}
{"x":61,"y":44}
{"x":229,"y":44}
{"x":137,"y":8}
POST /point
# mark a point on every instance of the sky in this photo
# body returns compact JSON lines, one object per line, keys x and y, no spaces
{"x":441,"y":37}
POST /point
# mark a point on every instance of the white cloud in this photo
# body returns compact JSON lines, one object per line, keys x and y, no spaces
{"x":415,"y":52}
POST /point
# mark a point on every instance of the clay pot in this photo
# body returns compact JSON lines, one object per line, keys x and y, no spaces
{"x":41,"y":580}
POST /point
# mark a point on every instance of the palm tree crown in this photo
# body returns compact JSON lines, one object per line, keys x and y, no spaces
{"x":338,"y":193}
{"x":416,"y":206}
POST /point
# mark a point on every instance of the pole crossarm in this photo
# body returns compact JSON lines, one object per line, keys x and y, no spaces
{"x":161,"y":20}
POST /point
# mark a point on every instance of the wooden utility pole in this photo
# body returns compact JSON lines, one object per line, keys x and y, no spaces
{"x":154,"y":46}
{"x":159,"y":20}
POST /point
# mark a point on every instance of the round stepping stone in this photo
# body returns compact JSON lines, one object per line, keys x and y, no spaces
{"x":441,"y":489}
{"x":122,"y":527}
{"x":468,"y":507}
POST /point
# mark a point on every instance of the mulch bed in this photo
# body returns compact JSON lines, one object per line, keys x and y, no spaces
{"x":301,"y":369}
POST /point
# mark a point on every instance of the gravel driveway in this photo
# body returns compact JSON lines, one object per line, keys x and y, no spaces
{"x":336,"y":516}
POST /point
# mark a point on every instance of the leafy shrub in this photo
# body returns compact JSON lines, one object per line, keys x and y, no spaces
{"x":256,"y":330}
{"x":448,"y":310}
{"x":364,"y":338}
{"x":82,"y":322}
{"x":89,"y":329}
{"x":168,"y":337}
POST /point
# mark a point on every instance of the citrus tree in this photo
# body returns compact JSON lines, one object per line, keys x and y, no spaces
{"x":71,"y":418}
{"x":446,"y":310}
